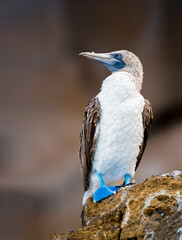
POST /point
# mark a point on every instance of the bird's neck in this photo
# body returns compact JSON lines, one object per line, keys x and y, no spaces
{"x":137,"y":72}
{"x":118,"y":86}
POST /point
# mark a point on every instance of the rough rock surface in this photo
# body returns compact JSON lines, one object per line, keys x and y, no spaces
{"x":150,"y":210}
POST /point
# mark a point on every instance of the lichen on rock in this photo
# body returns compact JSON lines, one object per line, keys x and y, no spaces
{"x":150,"y":210}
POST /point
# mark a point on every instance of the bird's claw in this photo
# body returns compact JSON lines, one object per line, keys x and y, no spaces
{"x":123,"y":185}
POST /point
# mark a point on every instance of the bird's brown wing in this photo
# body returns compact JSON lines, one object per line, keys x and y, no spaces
{"x":147,"y":116}
{"x":88,"y":139}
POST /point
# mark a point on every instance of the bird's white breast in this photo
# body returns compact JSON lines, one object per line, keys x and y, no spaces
{"x":120,"y":129}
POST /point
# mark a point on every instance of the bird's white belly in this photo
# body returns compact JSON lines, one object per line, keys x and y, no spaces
{"x":120,"y":135}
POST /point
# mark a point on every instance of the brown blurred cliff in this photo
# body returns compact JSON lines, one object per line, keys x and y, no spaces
{"x":45,"y":85}
{"x":151,"y":210}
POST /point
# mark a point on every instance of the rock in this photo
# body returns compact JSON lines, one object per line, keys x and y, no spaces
{"x":150,"y":210}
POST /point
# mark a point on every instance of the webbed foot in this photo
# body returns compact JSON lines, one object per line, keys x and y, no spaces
{"x":104,"y":192}
{"x":126,"y":182}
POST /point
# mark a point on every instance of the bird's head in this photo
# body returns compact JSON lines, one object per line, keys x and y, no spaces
{"x":118,"y":61}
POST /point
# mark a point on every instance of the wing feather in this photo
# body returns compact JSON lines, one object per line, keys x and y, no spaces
{"x":147,"y":116}
{"x":88,"y":139}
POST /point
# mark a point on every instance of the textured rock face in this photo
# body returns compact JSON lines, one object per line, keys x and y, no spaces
{"x":151,"y":210}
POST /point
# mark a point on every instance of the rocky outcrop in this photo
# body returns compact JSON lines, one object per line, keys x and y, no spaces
{"x":151,"y":210}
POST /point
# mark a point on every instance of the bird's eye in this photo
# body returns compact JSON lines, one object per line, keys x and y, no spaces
{"x":118,"y":56}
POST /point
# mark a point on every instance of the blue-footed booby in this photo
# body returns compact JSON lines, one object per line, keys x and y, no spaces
{"x":116,"y":126}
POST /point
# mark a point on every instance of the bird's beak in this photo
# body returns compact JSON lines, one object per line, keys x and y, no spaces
{"x":100,"y":57}
{"x":109,"y":60}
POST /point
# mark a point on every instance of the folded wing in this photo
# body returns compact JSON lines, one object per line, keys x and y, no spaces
{"x":147,"y":116}
{"x":88,"y":138}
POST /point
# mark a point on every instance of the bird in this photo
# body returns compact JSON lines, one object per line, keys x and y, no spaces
{"x":116,"y":126}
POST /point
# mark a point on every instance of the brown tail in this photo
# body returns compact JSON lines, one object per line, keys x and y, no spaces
{"x":83,"y":216}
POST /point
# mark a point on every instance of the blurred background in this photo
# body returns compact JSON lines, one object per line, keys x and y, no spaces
{"x":45,"y":86}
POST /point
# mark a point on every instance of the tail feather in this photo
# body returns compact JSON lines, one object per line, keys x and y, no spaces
{"x":83,"y":216}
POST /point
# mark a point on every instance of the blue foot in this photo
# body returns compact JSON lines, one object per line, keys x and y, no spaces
{"x":104,"y":192}
{"x":126,"y":182}
{"x":127,"y":179}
